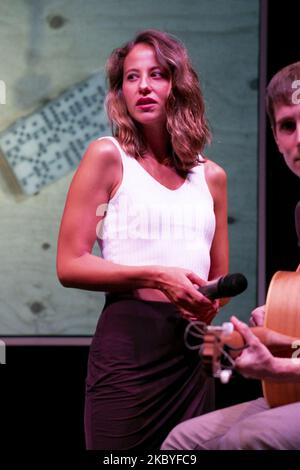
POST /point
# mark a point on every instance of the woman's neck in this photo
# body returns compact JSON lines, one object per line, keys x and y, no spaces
{"x":157,"y":143}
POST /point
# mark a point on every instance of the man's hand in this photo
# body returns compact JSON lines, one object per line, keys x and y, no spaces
{"x":255,"y":361}
{"x":257,"y":316}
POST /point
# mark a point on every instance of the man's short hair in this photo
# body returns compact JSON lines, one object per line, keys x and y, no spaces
{"x":280,"y":89}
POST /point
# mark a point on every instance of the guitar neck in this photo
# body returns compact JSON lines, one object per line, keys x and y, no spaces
{"x":279,"y":345}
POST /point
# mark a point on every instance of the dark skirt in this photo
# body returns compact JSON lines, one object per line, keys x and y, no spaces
{"x":142,"y":379}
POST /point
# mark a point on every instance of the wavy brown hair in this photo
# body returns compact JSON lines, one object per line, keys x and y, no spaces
{"x":280,"y":89}
{"x":186,"y":122}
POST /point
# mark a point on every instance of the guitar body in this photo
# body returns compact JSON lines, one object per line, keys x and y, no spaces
{"x":283,"y":315}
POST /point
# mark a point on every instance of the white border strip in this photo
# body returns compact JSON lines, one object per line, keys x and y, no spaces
{"x":46,"y":340}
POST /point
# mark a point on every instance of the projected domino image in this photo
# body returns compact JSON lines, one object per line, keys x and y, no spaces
{"x":50,"y":142}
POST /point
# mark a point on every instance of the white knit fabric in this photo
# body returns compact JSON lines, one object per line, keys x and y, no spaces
{"x":149,"y":224}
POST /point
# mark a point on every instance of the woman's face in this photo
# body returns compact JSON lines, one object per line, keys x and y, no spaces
{"x":146,"y":86}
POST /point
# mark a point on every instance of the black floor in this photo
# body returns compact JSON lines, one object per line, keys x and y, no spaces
{"x":44,"y":396}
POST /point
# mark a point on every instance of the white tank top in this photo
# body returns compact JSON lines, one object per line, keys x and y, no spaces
{"x":149,"y":224}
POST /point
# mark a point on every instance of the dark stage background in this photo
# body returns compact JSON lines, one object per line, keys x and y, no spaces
{"x":283,"y":187}
{"x":44,"y":386}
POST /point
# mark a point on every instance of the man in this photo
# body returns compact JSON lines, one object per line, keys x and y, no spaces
{"x":254,"y":425}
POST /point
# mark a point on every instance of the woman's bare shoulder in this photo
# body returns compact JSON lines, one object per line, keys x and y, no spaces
{"x":103,"y":152}
{"x":214,"y":173}
{"x":100,"y":168}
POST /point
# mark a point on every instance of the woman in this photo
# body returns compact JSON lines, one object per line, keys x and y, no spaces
{"x":158,"y":210}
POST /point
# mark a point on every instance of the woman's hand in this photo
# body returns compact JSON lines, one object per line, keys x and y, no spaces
{"x":181,"y":287}
{"x":257,"y":316}
{"x":255,"y":361}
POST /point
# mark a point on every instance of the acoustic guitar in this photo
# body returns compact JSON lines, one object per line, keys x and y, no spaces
{"x":280,"y":333}
{"x":283,"y":316}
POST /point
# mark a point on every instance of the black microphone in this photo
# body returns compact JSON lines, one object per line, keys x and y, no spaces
{"x":226,"y":286}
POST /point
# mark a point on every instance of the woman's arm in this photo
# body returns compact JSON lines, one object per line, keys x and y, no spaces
{"x":217,"y":182}
{"x":93,"y":184}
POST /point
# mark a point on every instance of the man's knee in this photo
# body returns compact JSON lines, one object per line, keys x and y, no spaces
{"x":175,"y":439}
{"x":187,"y":435}
{"x":246,"y":436}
